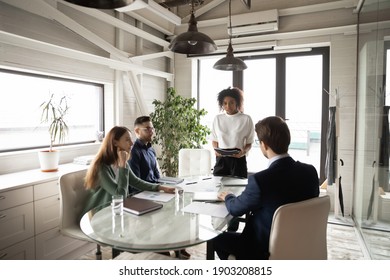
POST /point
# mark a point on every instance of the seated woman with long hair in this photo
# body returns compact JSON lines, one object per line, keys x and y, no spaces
{"x":110,"y":174}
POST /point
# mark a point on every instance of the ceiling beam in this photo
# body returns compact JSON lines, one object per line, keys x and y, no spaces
{"x":155,"y":25}
{"x":204,"y":9}
{"x":41,"y":7}
{"x":117,"y":23}
{"x":153,"y":8}
{"x":144,"y":57}
{"x":346,"y":4}
{"x":342,"y":4}
{"x":23,"y":42}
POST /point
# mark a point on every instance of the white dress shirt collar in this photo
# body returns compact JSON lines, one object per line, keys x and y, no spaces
{"x":275,"y":158}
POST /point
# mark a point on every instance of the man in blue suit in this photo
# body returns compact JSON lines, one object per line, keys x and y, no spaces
{"x":284,"y":181}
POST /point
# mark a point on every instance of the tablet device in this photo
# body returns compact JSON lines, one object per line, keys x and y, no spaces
{"x":227,"y":152}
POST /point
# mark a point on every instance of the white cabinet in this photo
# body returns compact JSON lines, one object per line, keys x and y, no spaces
{"x":46,"y":207}
{"x":16,"y":223}
{"x":30,"y":218}
{"x":16,"y":197}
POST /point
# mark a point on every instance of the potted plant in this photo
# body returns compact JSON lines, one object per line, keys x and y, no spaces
{"x":177,"y":125}
{"x":53,"y":114}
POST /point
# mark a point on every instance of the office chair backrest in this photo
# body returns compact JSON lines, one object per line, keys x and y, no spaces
{"x":194,"y":162}
{"x":73,"y":196}
{"x":298,"y":230}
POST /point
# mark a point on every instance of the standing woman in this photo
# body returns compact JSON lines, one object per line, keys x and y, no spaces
{"x":110,"y":173}
{"x":232,"y":129}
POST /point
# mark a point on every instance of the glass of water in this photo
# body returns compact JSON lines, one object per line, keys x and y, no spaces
{"x":117,"y":205}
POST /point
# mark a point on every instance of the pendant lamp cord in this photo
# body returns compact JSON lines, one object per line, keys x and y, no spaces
{"x":230,"y":21}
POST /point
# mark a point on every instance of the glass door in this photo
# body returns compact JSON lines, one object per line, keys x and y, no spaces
{"x":292,"y":86}
{"x":303,"y":107}
{"x":259,"y":101}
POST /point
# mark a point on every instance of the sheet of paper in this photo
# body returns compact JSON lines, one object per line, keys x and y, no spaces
{"x":205,"y":196}
{"x":231,"y":181}
{"x":155,"y":196}
{"x":213,"y":209}
{"x":205,"y":184}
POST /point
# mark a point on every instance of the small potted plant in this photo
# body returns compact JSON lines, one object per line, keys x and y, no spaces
{"x":53,"y":114}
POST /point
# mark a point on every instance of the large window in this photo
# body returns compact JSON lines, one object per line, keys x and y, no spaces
{"x":211,"y":82}
{"x":20,"y":114}
{"x":292,"y":86}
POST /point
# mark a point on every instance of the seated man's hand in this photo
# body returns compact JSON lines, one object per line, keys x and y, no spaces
{"x":222,"y":195}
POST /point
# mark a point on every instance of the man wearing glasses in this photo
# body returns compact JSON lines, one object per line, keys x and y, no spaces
{"x":143,"y":160}
{"x":143,"y":157}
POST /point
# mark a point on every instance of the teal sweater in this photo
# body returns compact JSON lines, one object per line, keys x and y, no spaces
{"x":110,"y":185}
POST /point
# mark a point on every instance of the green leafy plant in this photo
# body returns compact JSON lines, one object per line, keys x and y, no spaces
{"x":177,"y":125}
{"x":53,"y":113}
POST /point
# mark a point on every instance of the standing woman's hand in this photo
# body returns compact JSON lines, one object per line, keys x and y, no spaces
{"x":215,"y":145}
{"x":240,"y":154}
{"x":123,"y":157}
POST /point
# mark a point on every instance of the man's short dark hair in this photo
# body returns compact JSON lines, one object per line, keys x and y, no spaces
{"x":141,"y":120}
{"x":274,"y":132}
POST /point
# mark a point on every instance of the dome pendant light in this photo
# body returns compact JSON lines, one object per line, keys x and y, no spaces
{"x":101,"y":4}
{"x":192,"y":41}
{"x":230,"y":63}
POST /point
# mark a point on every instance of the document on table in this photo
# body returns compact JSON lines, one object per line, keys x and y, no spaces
{"x":206,"y":196}
{"x":213,"y":209}
{"x":234,"y":181}
{"x":156,"y":196}
{"x":201,"y":184}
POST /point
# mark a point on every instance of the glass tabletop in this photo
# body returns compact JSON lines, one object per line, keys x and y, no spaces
{"x":168,"y":228}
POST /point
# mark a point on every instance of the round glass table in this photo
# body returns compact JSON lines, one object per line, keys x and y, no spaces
{"x":168,"y":228}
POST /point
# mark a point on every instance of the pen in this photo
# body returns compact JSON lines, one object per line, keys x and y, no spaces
{"x":191,"y":183}
{"x":208,"y":178}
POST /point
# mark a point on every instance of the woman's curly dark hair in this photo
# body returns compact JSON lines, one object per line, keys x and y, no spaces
{"x":235,"y":93}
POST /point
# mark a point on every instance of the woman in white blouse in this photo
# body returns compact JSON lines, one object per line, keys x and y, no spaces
{"x":232,"y":129}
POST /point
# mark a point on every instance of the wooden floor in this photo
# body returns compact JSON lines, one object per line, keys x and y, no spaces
{"x":344,"y":243}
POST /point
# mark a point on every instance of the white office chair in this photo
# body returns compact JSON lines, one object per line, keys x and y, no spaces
{"x":73,"y":196}
{"x":194,"y":162}
{"x":298,"y":230}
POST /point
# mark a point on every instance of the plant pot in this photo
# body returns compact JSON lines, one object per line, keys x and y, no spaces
{"x":49,"y":160}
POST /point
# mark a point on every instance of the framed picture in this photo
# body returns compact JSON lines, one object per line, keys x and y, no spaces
{"x":247,"y":3}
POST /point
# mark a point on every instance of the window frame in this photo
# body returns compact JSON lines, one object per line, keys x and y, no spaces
{"x":280,"y":76}
{"x":101,"y":98}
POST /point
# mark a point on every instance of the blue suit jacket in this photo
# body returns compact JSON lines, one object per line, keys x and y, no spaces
{"x":285,"y":181}
{"x":143,"y":162}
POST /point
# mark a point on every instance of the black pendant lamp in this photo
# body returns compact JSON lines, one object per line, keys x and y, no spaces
{"x":230,"y":63}
{"x":192,"y":41}
{"x":101,"y":4}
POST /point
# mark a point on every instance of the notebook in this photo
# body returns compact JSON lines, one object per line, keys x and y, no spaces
{"x":206,"y":196}
{"x":139,"y":206}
